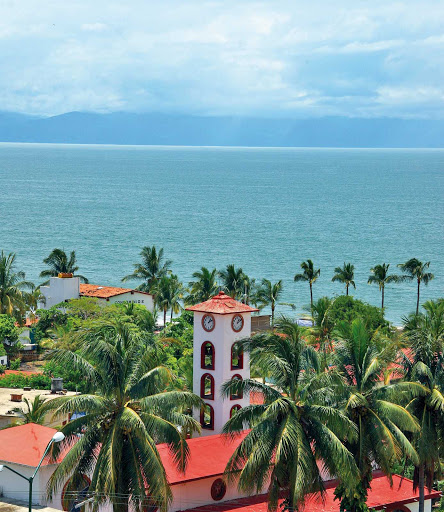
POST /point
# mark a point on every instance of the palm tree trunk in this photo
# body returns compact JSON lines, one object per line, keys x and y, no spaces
{"x":346,"y":287}
{"x":417,"y":300}
{"x":421,"y":487}
{"x":382,"y":306}
{"x":164,"y":317}
{"x":272,"y":313}
{"x":311,"y":298}
{"x":171,"y":316}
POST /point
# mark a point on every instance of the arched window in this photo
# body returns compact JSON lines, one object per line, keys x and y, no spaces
{"x":207,"y":386}
{"x":207,"y":356}
{"x":237,"y":357}
{"x":236,"y":391}
{"x":207,"y":417}
{"x":234,"y":410}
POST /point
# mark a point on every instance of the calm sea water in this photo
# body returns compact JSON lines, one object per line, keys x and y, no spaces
{"x":265,"y":210}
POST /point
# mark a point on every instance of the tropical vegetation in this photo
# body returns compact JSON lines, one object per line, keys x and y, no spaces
{"x":310,"y":275}
{"x":416,"y":270}
{"x":58,"y":262}
{"x":152,"y":268}
{"x":345,"y":275}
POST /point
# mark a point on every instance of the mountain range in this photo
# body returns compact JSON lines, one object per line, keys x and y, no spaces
{"x":188,"y":130}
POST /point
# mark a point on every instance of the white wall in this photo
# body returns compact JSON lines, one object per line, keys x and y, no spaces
{"x":134,"y":296}
{"x":59,"y":290}
{"x":222,"y":337}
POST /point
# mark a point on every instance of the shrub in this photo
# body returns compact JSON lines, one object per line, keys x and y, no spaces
{"x":37,"y":381}
{"x":348,"y":309}
{"x":14,"y":364}
{"x":2,"y":369}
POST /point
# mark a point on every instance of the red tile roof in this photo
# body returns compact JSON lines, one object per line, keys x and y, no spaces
{"x":25,"y":444}
{"x":222,"y":304}
{"x":104,"y":292}
{"x":380,"y":496}
{"x":218,"y":447}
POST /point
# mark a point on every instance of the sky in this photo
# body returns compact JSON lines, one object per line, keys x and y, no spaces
{"x":294,"y":59}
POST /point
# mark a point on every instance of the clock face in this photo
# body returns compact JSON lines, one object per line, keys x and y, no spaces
{"x":208,"y":322}
{"x":237,"y":323}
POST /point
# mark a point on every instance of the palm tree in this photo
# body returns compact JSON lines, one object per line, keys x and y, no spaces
{"x":323,"y":326}
{"x":59,"y":263}
{"x":152,"y":268}
{"x":204,"y":287}
{"x":32,"y":299}
{"x":415,"y":269}
{"x":427,"y":367}
{"x":168,"y":292}
{"x":35,"y":411}
{"x":233,"y":281}
{"x":294,"y":427}
{"x":373,"y":407}
{"x":127,"y":413}
{"x":268,"y":294}
{"x":381,"y":277}
{"x":310,"y":275}
{"x":345,"y":275}
{"x":11,"y":284}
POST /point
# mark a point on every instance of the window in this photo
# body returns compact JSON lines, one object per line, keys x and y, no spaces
{"x":234,"y":410}
{"x":207,"y":417}
{"x":236,"y":391}
{"x":207,"y":386}
{"x":207,"y":356}
{"x":237,"y":357}
{"x":218,"y":489}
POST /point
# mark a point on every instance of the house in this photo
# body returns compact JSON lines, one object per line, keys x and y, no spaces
{"x":65,"y":287}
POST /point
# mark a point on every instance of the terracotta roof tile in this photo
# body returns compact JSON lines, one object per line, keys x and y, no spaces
{"x":104,"y":292}
{"x":222,"y":304}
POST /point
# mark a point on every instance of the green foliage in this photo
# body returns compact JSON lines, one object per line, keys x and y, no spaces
{"x":355,"y":500}
{"x":152,"y":268}
{"x":2,"y":369}
{"x":34,"y":412}
{"x":14,"y":364}
{"x":72,"y":377}
{"x":347,"y":309}
{"x":12,"y":283}
{"x":48,"y":319}
{"x":37,"y":381}
{"x":8,"y":330}
{"x":203,"y":287}
{"x":59,"y":263}
{"x":2,"y":350}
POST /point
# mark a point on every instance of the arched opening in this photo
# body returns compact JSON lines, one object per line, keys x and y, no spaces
{"x":207,"y":356}
{"x":207,"y":417}
{"x":207,"y":386}
{"x":218,"y":489}
{"x":234,"y":410}
{"x":236,"y":390}
{"x":237,"y":357}
{"x":75,"y":491}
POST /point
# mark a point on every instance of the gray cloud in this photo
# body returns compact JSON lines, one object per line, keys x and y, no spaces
{"x":379,"y":58}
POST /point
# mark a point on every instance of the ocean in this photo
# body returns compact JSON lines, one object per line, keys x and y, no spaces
{"x":263,"y":209}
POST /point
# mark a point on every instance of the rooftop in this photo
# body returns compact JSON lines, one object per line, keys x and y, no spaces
{"x":199,"y":465}
{"x":25,"y":444}
{"x":222,"y":304}
{"x":380,"y":496}
{"x":6,"y":405}
{"x":105,"y":292}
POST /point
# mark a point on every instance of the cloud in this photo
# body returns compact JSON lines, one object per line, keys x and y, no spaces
{"x":229,"y":57}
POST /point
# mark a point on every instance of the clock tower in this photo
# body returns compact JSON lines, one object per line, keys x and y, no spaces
{"x":218,"y":324}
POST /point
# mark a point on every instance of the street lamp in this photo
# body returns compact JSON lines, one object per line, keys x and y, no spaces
{"x":56,"y":438}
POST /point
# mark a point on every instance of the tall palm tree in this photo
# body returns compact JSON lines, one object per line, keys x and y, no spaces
{"x":12,"y":284}
{"x":152,"y":268}
{"x":268,"y":295}
{"x":233,"y":281}
{"x":35,"y":411}
{"x":59,"y":263}
{"x":345,"y":275}
{"x":203,"y":287}
{"x":294,"y":428}
{"x":309,"y":274}
{"x":416,"y":270}
{"x":323,"y":326}
{"x":373,"y":407}
{"x":168,"y":292}
{"x":127,"y":413}
{"x":381,"y":277}
{"x":427,"y":367}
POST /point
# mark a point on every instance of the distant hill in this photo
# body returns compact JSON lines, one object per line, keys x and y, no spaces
{"x":165,"y":129}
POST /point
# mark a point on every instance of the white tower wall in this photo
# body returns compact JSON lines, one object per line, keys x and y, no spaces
{"x":222,"y":337}
{"x":59,"y":290}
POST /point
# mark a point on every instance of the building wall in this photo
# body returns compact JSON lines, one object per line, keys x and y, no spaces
{"x":222,"y":337}
{"x":136,"y":297}
{"x":59,"y":290}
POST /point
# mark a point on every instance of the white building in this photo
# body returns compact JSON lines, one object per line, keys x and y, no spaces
{"x":218,"y":324}
{"x":66,"y":287}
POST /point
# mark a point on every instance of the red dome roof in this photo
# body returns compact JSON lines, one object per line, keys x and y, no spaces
{"x":222,"y":304}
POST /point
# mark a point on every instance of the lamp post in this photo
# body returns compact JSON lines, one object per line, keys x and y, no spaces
{"x":56,"y":438}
